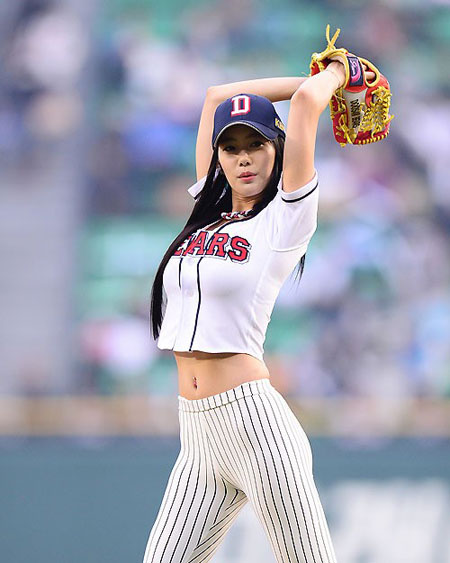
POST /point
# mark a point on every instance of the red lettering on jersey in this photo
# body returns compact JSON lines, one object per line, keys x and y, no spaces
{"x":216,"y":245}
{"x":187,"y":244}
{"x":239,"y":249}
{"x":179,"y":250}
{"x":198,"y":244}
{"x":241,"y":105}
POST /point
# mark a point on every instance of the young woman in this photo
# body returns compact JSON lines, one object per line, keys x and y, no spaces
{"x":213,"y":294}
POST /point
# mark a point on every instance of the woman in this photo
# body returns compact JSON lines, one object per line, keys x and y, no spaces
{"x":255,"y":212}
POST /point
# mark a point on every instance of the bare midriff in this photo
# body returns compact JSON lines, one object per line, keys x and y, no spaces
{"x":202,"y":374}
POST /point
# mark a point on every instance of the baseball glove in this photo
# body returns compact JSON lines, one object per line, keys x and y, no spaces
{"x":359,"y":109}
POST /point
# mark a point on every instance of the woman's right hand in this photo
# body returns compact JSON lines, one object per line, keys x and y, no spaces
{"x":338,"y":69}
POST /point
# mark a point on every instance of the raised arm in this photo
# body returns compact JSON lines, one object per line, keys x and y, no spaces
{"x":307,"y":103}
{"x":275,"y":89}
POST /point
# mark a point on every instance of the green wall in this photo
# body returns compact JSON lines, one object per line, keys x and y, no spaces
{"x":94,"y":501}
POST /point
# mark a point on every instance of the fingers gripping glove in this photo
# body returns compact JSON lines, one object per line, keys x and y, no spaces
{"x":359,"y":109}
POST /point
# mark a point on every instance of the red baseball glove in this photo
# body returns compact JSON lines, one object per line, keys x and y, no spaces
{"x":360,"y":108}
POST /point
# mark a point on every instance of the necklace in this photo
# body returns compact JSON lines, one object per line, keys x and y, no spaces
{"x":236,"y":214}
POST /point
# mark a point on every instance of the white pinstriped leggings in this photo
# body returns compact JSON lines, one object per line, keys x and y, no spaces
{"x":240,"y":445}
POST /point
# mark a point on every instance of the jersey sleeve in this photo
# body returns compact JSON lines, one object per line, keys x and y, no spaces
{"x":196,"y":188}
{"x":291,"y":217}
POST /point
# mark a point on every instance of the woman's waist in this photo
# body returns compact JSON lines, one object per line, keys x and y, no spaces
{"x":220,"y":366}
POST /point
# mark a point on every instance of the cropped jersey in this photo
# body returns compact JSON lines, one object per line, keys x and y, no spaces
{"x":221,"y":285}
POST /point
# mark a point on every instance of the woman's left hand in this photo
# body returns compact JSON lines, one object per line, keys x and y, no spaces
{"x":370,"y":75}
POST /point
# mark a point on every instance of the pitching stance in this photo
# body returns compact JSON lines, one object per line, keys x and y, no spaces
{"x":255,"y":212}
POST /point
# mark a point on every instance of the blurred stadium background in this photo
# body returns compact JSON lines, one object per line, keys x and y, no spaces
{"x":99,"y":106}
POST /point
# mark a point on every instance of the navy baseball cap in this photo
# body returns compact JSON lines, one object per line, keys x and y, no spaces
{"x":248,"y":109}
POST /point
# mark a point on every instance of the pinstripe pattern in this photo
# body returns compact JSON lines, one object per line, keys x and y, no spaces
{"x":241,"y":445}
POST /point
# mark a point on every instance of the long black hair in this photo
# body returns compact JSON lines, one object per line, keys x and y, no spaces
{"x":214,"y":198}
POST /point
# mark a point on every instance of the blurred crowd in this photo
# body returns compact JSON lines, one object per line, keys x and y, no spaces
{"x":371,"y":315}
{"x":43,"y":50}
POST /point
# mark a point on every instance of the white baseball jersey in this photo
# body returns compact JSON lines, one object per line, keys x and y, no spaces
{"x":221,"y":285}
